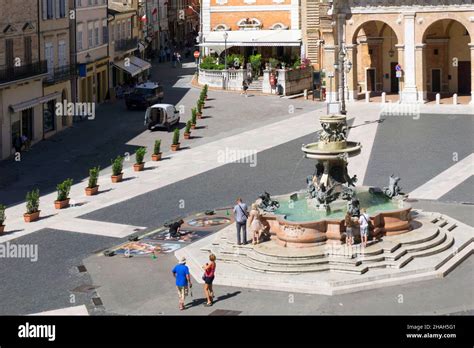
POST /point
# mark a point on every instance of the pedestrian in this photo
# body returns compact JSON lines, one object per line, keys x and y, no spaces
{"x":245,"y":87}
{"x":255,"y":223}
{"x":162,"y":54}
{"x":17,"y":143}
{"x":208,"y":277}
{"x":183,"y":281}
{"x":174,"y":59}
{"x":168,"y":54}
{"x":178,"y":59}
{"x":25,"y":142}
{"x":349,"y":229}
{"x":241,"y":215}
{"x":364,"y":227}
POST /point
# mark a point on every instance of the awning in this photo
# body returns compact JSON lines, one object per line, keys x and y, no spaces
{"x":33,"y":102}
{"x":49,"y":97}
{"x":253,"y":38}
{"x":143,"y":64}
{"x":135,"y":66}
{"x":130,"y":68}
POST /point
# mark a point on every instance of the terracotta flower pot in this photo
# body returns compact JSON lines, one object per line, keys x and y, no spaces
{"x":31,"y":217}
{"x":61,"y":204}
{"x":156,"y":157}
{"x":2,"y":228}
{"x":138,"y":167}
{"x":199,"y":115}
{"x":117,"y":178}
{"x":175,"y":147}
{"x":193,"y":126}
{"x":91,"y":191}
{"x":187,"y":135}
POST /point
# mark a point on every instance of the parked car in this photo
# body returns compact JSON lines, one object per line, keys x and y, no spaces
{"x":161,"y":115}
{"x":144,"y":95}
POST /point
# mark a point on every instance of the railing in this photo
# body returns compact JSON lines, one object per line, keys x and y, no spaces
{"x":225,"y":79}
{"x":126,"y":44}
{"x":14,"y":73}
{"x":62,"y":73}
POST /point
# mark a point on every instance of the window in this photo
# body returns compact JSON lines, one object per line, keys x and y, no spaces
{"x":221,"y":27}
{"x":49,"y":56}
{"x":62,"y":8}
{"x":62,"y":59}
{"x":79,"y":37}
{"x":112,"y":32}
{"x":249,"y":24}
{"x":50,"y":9}
{"x":123,"y":30}
{"x":117,"y":31}
{"x":129,"y":28}
{"x":28,"y":51}
{"x":90,"y":34}
{"x":105,"y":32}
{"x":48,"y":116}
{"x":96,"y":33}
{"x":278,"y":26}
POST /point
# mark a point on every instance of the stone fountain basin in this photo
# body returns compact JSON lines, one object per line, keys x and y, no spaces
{"x":332,"y":230}
{"x":330,"y":150}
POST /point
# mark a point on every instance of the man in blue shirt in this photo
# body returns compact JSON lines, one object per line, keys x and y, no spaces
{"x":183,"y":280}
{"x":241,"y":215}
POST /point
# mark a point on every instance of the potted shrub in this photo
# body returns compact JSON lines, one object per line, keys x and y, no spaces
{"x":117,"y":166}
{"x":193,"y":118}
{"x":139,"y":155}
{"x":156,"y":156}
{"x":175,"y":145}
{"x":2,"y":218}
{"x":205,"y":89}
{"x":187,"y":130}
{"x":199,"y":106}
{"x":63,"y":194}
{"x":32,"y":206}
{"x":92,"y":187}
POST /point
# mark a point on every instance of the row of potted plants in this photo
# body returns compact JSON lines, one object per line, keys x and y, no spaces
{"x":64,"y":188}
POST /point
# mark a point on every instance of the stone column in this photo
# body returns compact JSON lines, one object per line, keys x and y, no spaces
{"x":330,"y":52}
{"x":352,"y":81}
{"x":266,"y":87}
{"x":401,"y":61}
{"x":420,"y":72}
{"x":409,"y":94}
{"x":471,"y":46}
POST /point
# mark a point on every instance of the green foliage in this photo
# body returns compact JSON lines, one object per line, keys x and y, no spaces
{"x":157,"y":147}
{"x":32,"y":201}
{"x":235,"y":61}
{"x":2,"y":214}
{"x":273,"y":62}
{"x":117,"y":165}
{"x":63,"y":189}
{"x":209,"y":63}
{"x":140,"y":154}
{"x":255,"y":61}
{"x":176,"y":136}
{"x":199,"y":106}
{"x":93,"y":177}
{"x":193,"y":115}
{"x":188,"y":127}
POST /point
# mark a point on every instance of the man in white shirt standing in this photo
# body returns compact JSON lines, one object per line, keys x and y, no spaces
{"x":241,"y":215}
{"x":364,"y":227}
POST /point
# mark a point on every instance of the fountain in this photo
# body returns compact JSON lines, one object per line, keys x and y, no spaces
{"x":316,"y":215}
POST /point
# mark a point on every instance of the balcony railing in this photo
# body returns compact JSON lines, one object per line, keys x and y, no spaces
{"x":14,"y":73}
{"x":126,"y":44}
{"x":62,"y":73}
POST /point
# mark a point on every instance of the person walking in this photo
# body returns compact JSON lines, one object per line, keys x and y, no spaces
{"x":364,"y":227}
{"x":208,"y":277}
{"x":255,"y":223}
{"x":245,"y":87}
{"x":349,"y":229}
{"x":241,"y":215}
{"x":174,"y":59}
{"x":183,"y":281}
{"x":168,"y":54}
{"x":178,"y":59}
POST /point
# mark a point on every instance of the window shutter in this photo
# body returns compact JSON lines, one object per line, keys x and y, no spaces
{"x":45,"y":9}
{"x":56,"y":9}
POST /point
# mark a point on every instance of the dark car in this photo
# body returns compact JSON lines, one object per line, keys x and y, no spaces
{"x":144,"y":95}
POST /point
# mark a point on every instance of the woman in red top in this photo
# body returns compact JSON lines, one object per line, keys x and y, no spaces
{"x":208,"y":277}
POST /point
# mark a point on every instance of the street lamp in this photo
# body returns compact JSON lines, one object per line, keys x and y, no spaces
{"x":226,"y":35}
{"x":344,"y":67}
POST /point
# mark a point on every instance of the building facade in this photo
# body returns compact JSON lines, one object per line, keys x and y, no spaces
{"x":269,"y":27}
{"x":90,"y":49}
{"x":414,"y":48}
{"x":54,"y":41}
{"x":22,"y":70}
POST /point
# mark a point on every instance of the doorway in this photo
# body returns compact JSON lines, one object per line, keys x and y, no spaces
{"x":27,"y":123}
{"x":464,"y":78}
{"x":370,"y":79}
{"x":394,"y":85}
{"x":436,"y":80}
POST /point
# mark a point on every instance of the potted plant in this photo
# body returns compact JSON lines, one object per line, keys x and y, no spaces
{"x":205,"y":89}
{"x":199,"y":106}
{"x":32,"y":206}
{"x":187,"y":130}
{"x":139,"y":155}
{"x":175,"y":145}
{"x":2,"y":218}
{"x":156,"y":156}
{"x":117,"y":166}
{"x":63,"y":194}
{"x":193,"y":118}
{"x":92,"y":187}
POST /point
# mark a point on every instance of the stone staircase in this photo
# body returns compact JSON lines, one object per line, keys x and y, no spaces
{"x":256,"y":85}
{"x":393,"y":252}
